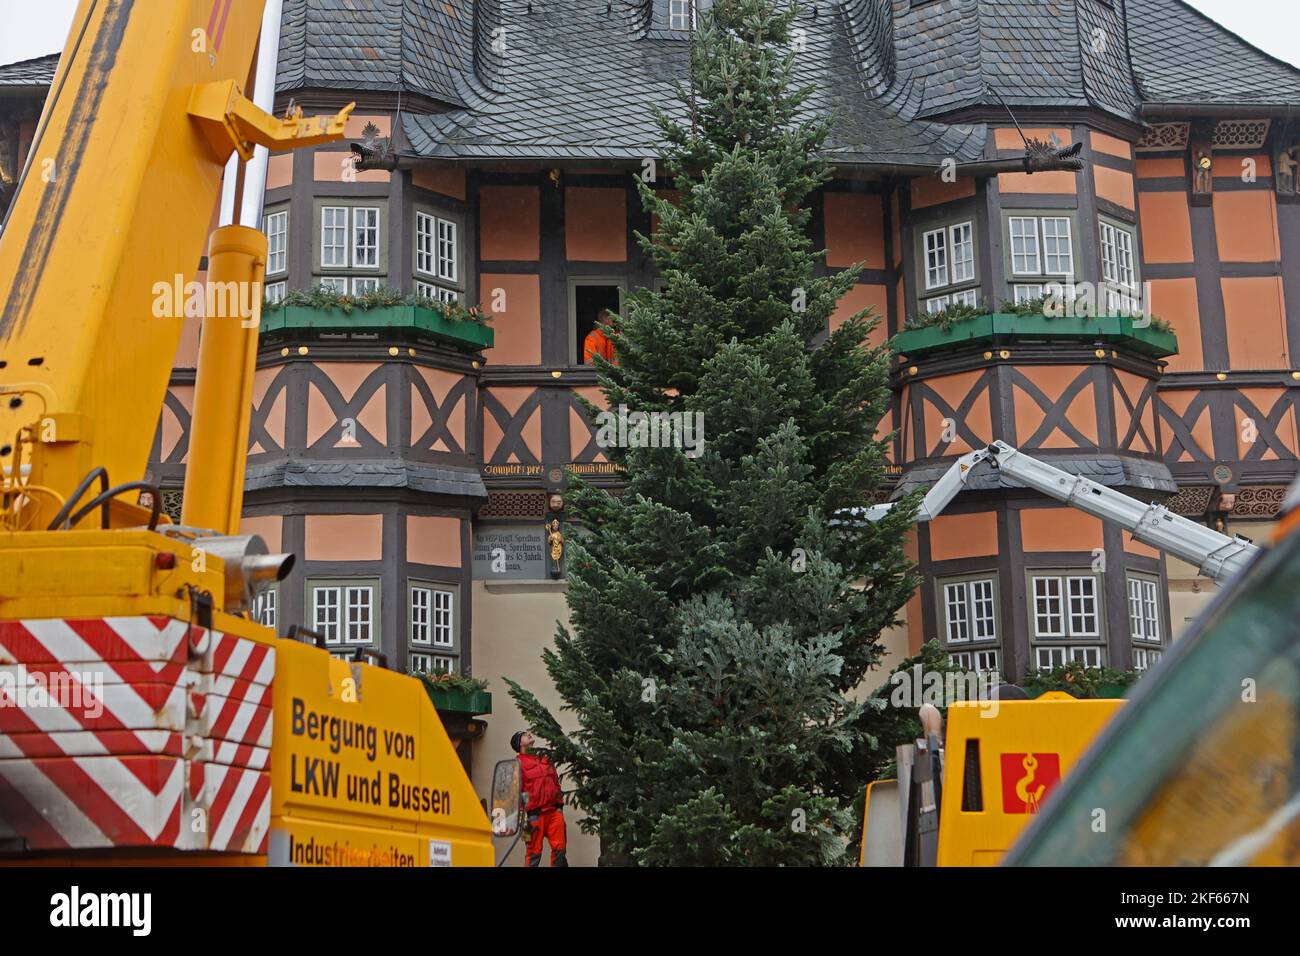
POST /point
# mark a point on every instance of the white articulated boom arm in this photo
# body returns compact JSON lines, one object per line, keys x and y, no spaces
{"x":1218,"y":556}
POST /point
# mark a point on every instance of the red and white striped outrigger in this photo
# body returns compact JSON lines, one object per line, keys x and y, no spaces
{"x":140,"y":731}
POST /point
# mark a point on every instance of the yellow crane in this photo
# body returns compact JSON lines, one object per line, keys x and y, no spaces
{"x":142,"y":712}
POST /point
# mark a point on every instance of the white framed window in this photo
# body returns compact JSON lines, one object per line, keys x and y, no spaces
{"x":359,"y":611}
{"x":936,"y":259}
{"x":275,"y":291}
{"x":968,"y":297}
{"x":1024,"y":246}
{"x":437,"y":256}
{"x":962,"y":659}
{"x":337,"y":284}
{"x":446,"y":258}
{"x":937,"y":304}
{"x":1066,"y":606}
{"x":1058,"y":248}
{"x":970,"y":610}
{"x":681,"y":13}
{"x":265,"y":606}
{"x":361,"y":285}
{"x":986,"y":662}
{"x":963,"y":252}
{"x":1144,"y":609}
{"x":1144,"y":658}
{"x":1049,"y":609}
{"x":365,"y":237}
{"x":344,"y":612}
{"x":1026,"y":292}
{"x":1047,"y":658}
{"x":432,"y":664}
{"x":433,"y":616}
{"x":1118,"y":268}
{"x":436,"y":292}
{"x":334,"y":237}
{"x":276,"y":227}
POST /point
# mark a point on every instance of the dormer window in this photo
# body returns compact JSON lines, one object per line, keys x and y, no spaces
{"x":681,"y":13}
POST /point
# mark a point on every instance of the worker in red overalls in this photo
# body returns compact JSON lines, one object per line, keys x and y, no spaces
{"x":545,"y":816}
{"x":598,"y":341}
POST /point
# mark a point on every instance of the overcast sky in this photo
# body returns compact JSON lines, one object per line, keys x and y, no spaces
{"x":30,"y":28}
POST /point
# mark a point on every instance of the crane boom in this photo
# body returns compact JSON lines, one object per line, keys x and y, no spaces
{"x":1219,"y":557}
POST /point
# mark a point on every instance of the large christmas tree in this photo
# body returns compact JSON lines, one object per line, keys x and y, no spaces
{"x":720,"y":617}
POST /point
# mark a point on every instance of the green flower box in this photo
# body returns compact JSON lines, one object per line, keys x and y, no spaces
{"x":454,"y":701}
{"x":466,"y":336}
{"x":1007,"y":328}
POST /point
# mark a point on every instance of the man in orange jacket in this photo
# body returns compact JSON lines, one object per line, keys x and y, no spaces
{"x":598,"y":340}
{"x":545,"y":816}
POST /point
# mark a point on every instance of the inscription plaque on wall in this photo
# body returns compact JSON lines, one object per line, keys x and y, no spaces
{"x":510,"y":553}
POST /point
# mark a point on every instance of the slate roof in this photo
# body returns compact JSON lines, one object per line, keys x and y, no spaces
{"x":36,"y":73}
{"x":579,"y":79}
{"x":417,"y":46}
{"x":1181,"y":56}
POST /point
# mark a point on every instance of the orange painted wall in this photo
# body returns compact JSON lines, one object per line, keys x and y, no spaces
{"x":1103,"y":143}
{"x":270,"y":527}
{"x":963,"y":536}
{"x":1059,"y":529}
{"x":953,"y":389}
{"x":932,"y":190}
{"x":1169,"y":167}
{"x":1166,"y":227}
{"x":863,"y":296}
{"x":1060,"y":183}
{"x":1008,"y":137}
{"x":518,"y":327}
{"x":509,"y":223}
{"x":855,"y":229}
{"x":1178,"y":401}
{"x":343,"y":537}
{"x":512,"y":399}
{"x":335,"y":166}
{"x":1052,"y":381}
{"x":1114,"y":185}
{"x":279,"y":170}
{"x":595,"y":224}
{"x":448,"y":180}
{"x":433,"y":539}
{"x":1175,"y":301}
{"x":1245,"y":226}
{"x":1255,"y":314}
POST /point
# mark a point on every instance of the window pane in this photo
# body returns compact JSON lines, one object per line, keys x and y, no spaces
{"x":446,"y":250}
{"x":1024,"y":246}
{"x":1027,"y":293}
{"x":986,"y":662}
{"x":420,"y":616}
{"x":963,"y":253}
{"x":936,"y":260}
{"x":359,"y":609}
{"x":679,"y":14}
{"x":443,"y":634}
{"x":1057,"y":251}
{"x":936,"y":305}
{"x":325,"y":614}
{"x":334,"y":284}
{"x":1049,"y":612}
{"x":424,"y":243}
{"x":981,"y":593}
{"x":361,"y":286}
{"x":954,"y":599}
{"x":276,"y":227}
{"x":365,"y":237}
{"x":275,"y":292}
{"x":334,"y":237}
{"x":1083,"y":607}
{"x":969,"y":297}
